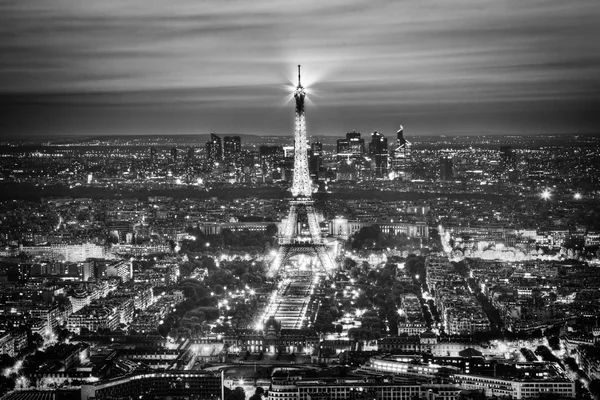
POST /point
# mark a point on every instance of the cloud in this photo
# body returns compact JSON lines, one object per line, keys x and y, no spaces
{"x":237,"y":54}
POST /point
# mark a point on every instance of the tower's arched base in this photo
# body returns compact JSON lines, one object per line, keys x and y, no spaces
{"x":326,"y":264}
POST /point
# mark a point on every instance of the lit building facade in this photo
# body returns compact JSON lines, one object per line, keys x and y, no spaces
{"x":93,"y":318}
{"x":401,"y":157}
{"x":378,"y":151}
{"x":214,"y":150}
{"x":232,"y":147}
{"x":344,"y":228}
{"x":517,"y":389}
{"x":446,"y":168}
{"x":272,"y":340}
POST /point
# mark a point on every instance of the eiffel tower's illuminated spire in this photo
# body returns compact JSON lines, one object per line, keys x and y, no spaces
{"x":301,"y":184}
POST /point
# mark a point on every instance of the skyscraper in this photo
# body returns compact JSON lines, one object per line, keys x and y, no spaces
{"x":191,"y":154}
{"x":153,"y":158}
{"x":352,"y":145}
{"x":316,"y":147}
{"x":378,"y":150}
{"x":272,"y":153}
{"x":508,"y":164}
{"x":401,"y":157}
{"x":174,"y":155}
{"x":446,"y":168}
{"x":315,"y":160}
{"x":214,"y":150}
{"x":232,"y":146}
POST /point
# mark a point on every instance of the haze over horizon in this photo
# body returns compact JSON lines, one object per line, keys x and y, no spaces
{"x":114,"y":67}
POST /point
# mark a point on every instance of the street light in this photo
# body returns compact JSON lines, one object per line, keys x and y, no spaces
{"x":546,"y":194}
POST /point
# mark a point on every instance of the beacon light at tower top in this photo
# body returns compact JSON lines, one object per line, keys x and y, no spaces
{"x":299,"y":88}
{"x":310,"y":77}
{"x":299,"y":91}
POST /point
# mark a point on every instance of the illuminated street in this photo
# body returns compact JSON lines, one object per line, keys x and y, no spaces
{"x":289,"y":304}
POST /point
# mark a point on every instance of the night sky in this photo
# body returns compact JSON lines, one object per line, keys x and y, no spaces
{"x":91,"y":67}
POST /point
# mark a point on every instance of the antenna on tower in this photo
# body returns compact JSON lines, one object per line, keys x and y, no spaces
{"x":299,"y":84}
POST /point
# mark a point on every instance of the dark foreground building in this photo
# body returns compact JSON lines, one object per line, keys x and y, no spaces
{"x":190,"y":384}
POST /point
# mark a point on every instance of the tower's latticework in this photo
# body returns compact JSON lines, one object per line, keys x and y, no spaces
{"x":301,"y":232}
{"x":301,"y":184}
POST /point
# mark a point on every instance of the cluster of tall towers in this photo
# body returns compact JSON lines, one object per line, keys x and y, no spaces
{"x":217,"y":150}
{"x":355,"y":157}
{"x":356,"y":160}
{"x":227,"y":149}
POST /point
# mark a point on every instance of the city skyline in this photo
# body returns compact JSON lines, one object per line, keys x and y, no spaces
{"x":157,"y":266}
{"x":119,"y":68}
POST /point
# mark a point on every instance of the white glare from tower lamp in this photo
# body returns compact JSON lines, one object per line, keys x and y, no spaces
{"x":546,"y":194}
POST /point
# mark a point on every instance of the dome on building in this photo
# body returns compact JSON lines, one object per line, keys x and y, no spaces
{"x":272,"y":324}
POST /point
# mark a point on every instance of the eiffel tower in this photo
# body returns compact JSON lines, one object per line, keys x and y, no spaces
{"x":301,"y":233}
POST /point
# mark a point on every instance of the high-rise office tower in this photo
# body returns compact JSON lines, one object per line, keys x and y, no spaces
{"x":350,"y":156}
{"x":272,"y":161}
{"x":315,"y":160}
{"x":353,"y":144}
{"x":378,"y":150}
{"x":174,"y":154}
{"x":505,"y":152}
{"x":273,"y":153}
{"x":232,"y":146}
{"x":446,"y":168}
{"x":191,"y":156}
{"x":343,"y":147}
{"x":214,"y":150}
{"x":508,"y":163}
{"x":401,"y":157}
{"x":316,"y":147}
{"x":153,"y":158}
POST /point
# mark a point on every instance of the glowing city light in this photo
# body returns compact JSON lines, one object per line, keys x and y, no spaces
{"x":546,"y":194}
{"x":577,"y":196}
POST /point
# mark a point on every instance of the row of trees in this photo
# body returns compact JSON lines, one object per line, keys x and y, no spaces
{"x":191,"y":317}
{"x":238,"y":393}
{"x":371,"y":237}
{"x":242,"y":240}
{"x":236,"y":272}
{"x":381,"y":292}
{"x":328,"y":313}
